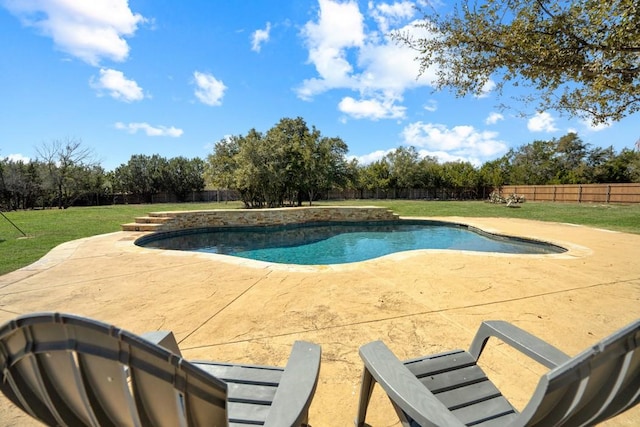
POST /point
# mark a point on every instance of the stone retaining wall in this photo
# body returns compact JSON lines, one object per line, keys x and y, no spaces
{"x":180,"y":220}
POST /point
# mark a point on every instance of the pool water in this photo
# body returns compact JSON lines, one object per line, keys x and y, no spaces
{"x":340,"y":243}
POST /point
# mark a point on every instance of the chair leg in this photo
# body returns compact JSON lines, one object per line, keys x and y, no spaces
{"x":366,"y":388}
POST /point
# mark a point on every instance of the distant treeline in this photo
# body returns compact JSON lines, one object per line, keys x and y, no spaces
{"x":291,"y":164}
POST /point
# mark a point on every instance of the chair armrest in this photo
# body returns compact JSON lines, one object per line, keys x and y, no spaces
{"x":165,"y":339}
{"x":521,"y":340}
{"x":403,"y":388}
{"x":291,"y":402}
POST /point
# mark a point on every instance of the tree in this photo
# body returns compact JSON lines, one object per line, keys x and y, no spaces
{"x":625,"y":167}
{"x":66,"y":162}
{"x":221,"y":164}
{"x":282,"y":166}
{"x":533,"y":164}
{"x":185,"y":176}
{"x":20,"y":184}
{"x":376,"y":176}
{"x":599,"y":161}
{"x":143,"y":176}
{"x":495,"y":173}
{"x":354,"y":177}
{"x":579,"y":56}
{"x":245,"y":160}
{"x":571,"y":153}
{"x":403,"y":167}
{"x":431,"y":175}
{"x":98,"y":186}
{"x":325,"y":165}
{"x":289,"y":146}
{"x":461,"y":177}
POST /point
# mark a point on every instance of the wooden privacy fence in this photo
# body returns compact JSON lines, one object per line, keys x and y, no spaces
{"x":431,"y":193}
{"x":600,"y":193}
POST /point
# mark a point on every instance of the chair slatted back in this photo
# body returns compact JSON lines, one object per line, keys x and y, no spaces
{"x":597,"y":384}
{"x":69,"y":370}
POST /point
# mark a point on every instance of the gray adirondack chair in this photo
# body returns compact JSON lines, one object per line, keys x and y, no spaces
{"x":69,"y":370}
{"x":450,"y":389}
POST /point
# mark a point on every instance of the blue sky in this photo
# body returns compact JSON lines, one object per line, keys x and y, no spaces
{"x":174,"y":77}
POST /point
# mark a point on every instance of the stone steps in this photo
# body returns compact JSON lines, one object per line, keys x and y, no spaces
{"x":151,"y":222}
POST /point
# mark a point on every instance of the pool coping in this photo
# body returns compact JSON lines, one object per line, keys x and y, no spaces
{"x":572,"y":250}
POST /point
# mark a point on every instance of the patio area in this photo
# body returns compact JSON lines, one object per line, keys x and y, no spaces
{"x":230,"y":309}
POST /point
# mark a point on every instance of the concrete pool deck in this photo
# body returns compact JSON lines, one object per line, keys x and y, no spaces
{"x":420,"y":302}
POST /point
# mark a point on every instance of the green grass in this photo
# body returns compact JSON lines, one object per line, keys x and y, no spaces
{"x":46,"y":229}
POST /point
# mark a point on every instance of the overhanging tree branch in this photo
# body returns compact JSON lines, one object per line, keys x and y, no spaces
{"x":590,"y":49}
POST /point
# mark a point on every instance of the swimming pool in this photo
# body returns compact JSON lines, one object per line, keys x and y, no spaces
{"x":340,"y":242}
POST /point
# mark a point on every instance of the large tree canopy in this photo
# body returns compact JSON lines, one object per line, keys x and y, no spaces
{"x":580,"y":56}
{"x":281,"y":166}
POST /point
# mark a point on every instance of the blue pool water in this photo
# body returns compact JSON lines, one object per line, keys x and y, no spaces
{"x":339,"y":243}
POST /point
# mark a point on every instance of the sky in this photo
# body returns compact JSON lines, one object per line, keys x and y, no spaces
{"x":175,"y":77}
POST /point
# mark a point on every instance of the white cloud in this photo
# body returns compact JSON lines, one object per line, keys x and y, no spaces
{"x":387,"y":14}
{"x":493,"y":118}
{"x":459,"y":142}
{"x":340,"y":26}
{"x":117,"y":85}
{"x":18,"y":158}
{"x":588,"y":124}
{"x":443,"y":157}
{"x":150,"y":130}
{"x":431,"y":105}
{"x":388,"y":66}
{"x":371,"y":109}
{"x":379,"y":65}
{"x":542,"y":122}
{"x":259,"y":37}
{"x":347,"y":54}
{"x":89,"y":30}
{"x":372,"y":157}
{"x":210,"y":90}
